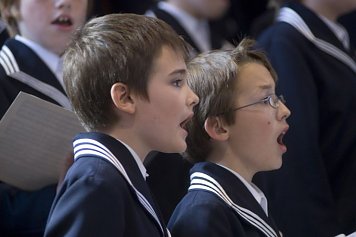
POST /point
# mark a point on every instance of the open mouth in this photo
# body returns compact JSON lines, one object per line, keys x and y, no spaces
{"x":185,"y":122}
{"x":63,"y":21}
{"x":280,"y":138}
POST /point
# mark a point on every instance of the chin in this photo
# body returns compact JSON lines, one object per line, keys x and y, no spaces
{"x":175,"y":148}
{"x":278,"y":165}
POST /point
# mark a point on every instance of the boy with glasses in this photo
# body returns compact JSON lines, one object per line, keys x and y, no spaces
{"x":237,"y":131}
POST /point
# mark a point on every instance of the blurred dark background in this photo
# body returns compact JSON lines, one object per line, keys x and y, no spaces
{"x":244,"y":18}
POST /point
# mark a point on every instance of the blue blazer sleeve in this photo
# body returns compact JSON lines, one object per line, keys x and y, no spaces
{"x":204,"y":220}
{"x":76,"y":212}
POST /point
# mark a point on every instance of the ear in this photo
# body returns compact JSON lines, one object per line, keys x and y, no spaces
{"x":216,"y":128}
{"x":120,"y":96}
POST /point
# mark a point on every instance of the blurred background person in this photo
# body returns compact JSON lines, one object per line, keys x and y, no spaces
{"x":197,"y":21}
{"x":30,"y":61}
{"x":314,"y":193}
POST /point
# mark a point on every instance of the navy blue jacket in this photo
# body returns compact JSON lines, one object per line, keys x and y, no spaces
{"x":314,"y":192}
{"x":219,"y":204}
{"x":24,"y":213}
{"x":99,"y":198}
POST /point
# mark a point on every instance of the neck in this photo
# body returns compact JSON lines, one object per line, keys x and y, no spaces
{"x":225,"y":157}
{"x":322,"y":8}
{"x":124,"y":134}
{"x":185,"y":7}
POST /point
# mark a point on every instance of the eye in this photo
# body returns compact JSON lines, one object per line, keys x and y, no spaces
{"x":178,"y":82}
{"x":265,"y":100}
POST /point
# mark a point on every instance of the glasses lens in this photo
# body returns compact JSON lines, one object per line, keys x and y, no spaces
{"x":281,"y":98}
{"x":273,"y":101}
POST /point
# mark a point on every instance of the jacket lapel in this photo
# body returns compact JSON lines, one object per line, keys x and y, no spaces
{"x":117,"y":154}
{"x":236,"y":195}
{"x":35,"y":66}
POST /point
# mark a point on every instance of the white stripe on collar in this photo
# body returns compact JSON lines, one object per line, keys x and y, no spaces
{"x":137,"y":159}
{"x":8,"y":62}
{"x":254,"y":190}
{"x":52,"y":60}
{"x":203,"y":181}
{"x":291,"y":17}
{"x":339,"y":31}
{"x":83,"y":147}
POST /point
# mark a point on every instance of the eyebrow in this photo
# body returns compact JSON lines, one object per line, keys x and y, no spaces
{"x":178,"y":71}
{"x":265,"y":87}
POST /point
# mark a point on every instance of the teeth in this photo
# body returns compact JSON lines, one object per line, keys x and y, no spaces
{"x":63,"y":19}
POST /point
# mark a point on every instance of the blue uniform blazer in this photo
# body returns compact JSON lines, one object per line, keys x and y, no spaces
{"x":24,"y":213}
{"x":219,"y":204}
{"x":99,"y":198}
{"x":317,"y":180}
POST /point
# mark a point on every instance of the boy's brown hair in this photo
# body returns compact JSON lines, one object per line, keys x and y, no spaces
{"x":111,"y":49}
{"x":9,"y":11}
{"x":213,"y":76}
{"x":10,"y":14}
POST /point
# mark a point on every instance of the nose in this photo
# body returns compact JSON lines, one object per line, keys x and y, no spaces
{"x":283,"y":112}
{"x":193,"y":99}
{"x":63,"y":4}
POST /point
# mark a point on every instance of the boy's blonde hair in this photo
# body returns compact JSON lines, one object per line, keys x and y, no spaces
{"x":213,"y":76}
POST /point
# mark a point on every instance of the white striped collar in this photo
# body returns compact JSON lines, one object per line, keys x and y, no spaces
{"x":254,"y":190}
{"x":205,"y":182}
{"x":52,"y":60}
{"x":137,"y":159}
{"x":86,"y":146}
{"x":11,"y":67}
{"x":291,"y":17}
{"x":339,"y":31}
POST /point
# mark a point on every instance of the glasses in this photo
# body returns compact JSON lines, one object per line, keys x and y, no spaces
{"x":273,"y":100}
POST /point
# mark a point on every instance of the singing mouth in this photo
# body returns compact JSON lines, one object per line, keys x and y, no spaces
{"x":63,"y":20}
{"x":185,"y":122}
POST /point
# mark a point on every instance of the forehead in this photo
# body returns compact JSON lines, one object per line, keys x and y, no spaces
{"x":254,"y":77}
{"x":168,"y":61}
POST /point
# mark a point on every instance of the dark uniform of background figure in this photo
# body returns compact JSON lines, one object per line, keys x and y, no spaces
{"x":121,"y":6}
{"x":314,"y":192}
{"x":15,"y":223}
{"x":349,"y":22}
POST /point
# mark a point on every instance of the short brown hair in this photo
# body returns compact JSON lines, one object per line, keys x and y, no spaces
{"x":9,"y":11}
{"x":213,"y":76}
{"x":110,"y":49}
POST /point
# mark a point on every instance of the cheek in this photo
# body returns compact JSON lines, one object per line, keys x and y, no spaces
{"x":259,"y":133}
{"x":80,"y":12}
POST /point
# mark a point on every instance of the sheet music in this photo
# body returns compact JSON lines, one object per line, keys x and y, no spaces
{"x":35,"y":138}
